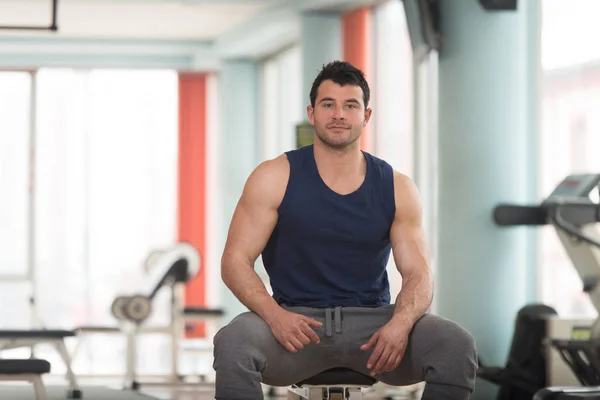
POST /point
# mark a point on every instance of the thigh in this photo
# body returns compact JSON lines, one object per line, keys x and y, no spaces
{"x":419,"y":350}
{"x":431,"y":341}
{"x":249,"y":338}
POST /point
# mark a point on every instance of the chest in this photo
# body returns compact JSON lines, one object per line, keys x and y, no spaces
{"x":323,"y":216}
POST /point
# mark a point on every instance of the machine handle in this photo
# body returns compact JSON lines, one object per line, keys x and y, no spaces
{"x":515,"y":215}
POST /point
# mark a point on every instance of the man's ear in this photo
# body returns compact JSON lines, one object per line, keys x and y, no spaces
{"x":368,"y":113}
{"x":310,"y":112}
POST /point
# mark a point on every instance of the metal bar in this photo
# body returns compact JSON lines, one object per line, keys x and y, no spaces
{"x":54,"y":24}
{"x":52,"y":27}
{"x":14,"y":278}
{"x":25,"y":27}
{"x":31,"y":233}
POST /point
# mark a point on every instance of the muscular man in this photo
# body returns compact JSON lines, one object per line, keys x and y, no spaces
{"x":325,"y":219}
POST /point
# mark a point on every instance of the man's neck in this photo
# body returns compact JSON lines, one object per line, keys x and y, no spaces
{"x":339,"y":162}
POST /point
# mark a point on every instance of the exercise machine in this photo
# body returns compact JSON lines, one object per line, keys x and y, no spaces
{"x":573,"y":210}
{"x":169,"y":269}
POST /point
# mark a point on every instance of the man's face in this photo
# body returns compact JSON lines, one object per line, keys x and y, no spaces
{"x":339,"y":115}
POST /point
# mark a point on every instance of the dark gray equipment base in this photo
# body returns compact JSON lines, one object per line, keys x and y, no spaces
{"x":568,"y":393}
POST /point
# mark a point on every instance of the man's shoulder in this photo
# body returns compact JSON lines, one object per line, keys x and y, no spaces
{"x":267,"y":183}
{"x":275,"y":168}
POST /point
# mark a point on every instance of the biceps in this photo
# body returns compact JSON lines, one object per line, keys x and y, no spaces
{"x":409,"y":248}
{"x":251,"y":226}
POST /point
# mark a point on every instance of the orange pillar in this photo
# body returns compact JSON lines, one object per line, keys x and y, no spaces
{"x":356,"y":26}
{"x":192,"y":181}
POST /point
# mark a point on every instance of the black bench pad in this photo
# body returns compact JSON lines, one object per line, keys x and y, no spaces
{"x":35,"y":334}
{"x":27,"y":366}
{"x":199,"y":311}
{"x":339,"y":376}
{"x":98,"y":329}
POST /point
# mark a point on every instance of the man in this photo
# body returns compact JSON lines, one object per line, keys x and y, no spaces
{"x":325,"y":219}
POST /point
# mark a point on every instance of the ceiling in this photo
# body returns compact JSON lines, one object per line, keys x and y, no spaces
{"x":143,"y":19}
{"x":131,"y":19}
{"x":193,"y":35}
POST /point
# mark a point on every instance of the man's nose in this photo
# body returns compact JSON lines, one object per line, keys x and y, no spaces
{"x":338,"y":113}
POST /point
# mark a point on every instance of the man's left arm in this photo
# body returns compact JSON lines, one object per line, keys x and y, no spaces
{"x":411,"y":257}
{"x":411,"y":254}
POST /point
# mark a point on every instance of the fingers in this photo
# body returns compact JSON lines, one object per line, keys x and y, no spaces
{"x":393,"y":363}
{"x":311,"y":334}
{"x":312,"y":322}
{"x":296,"y":343}
{"x":372,"y":341}
{"x":289,"y":346}
{"x":375,"y":355}
{"x":300,"y":335}
{"x":387,"y":362}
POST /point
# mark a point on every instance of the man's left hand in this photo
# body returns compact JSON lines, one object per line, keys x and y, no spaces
{"x":389,"y":344}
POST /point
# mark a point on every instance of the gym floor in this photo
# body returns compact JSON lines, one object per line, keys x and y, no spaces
{"x":96,"y":390}
{"x":405,"y":393}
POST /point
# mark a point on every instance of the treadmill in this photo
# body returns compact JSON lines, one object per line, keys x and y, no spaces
{"x":573,"y":210}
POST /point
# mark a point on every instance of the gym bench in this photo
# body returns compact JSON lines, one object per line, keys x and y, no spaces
{"x":13,"y":339}
{"x":334,"y":384}
{"x":29,"y":370}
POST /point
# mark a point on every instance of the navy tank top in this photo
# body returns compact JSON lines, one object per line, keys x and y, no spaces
{"x":327,"y":249}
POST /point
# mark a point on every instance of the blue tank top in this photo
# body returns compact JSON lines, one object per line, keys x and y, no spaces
{"x":328,"y":249}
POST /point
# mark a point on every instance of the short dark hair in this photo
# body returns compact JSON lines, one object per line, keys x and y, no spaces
{"x":343,"y":73}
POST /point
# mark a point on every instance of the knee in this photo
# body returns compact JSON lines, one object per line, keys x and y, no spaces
{"x":452,"y":340}
{"x":458,"y":339}
{"x":240,"y":336}
{"x":452,"y":354}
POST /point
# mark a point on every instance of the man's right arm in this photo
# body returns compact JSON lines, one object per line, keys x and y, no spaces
{"x":251,"y":226}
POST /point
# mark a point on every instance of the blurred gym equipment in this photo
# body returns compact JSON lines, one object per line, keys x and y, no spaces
{"x":165,"y":269}
{"x":571,"y":346}
{"x":13,"y":339}
{"x":26,"y":370}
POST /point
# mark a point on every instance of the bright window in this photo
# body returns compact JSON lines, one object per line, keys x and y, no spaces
{"x":281,"y":102}
{"x":392,"y":123}
{"x":15,"y":100}
{"x":105,"y":196}
{"x":569,"y":136}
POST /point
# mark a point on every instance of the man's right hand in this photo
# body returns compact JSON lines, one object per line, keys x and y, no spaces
{"x":293,"y":330}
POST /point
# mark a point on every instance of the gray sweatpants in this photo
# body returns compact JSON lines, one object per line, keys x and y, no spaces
{"x":246,"y":353}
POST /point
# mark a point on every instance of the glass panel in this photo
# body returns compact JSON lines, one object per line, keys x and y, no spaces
{"x":15,"y":97}
{"x":569,"y":136}
{"x":392,"y":99}
{"x":107,"y":160}
{"x":14,"y":305}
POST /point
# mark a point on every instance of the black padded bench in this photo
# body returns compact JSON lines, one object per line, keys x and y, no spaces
{"x":17,"y":338}
{"x":344,"y":382}
{"x":201,"y":312}
{"x":35,"y":334}
{"x":29,"y":370}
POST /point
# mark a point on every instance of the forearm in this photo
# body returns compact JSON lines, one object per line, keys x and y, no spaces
{"x":415,"y":297}
{"x":247,"y":286}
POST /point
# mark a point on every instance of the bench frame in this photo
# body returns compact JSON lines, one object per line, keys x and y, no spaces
{"x":34,"y":378}
{"x":317,"y":392}
{"x":60,"y":346}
